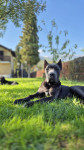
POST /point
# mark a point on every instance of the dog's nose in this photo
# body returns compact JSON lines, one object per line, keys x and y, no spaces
{"x":51,"y":74}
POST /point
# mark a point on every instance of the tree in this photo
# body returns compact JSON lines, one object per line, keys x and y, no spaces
{"x":17,"y":11}
{"x":58,"y":43}
{"x":29,"y":40}
{"x":18,"y":58}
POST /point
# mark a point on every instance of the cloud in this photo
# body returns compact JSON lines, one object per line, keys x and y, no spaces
{"x":81,"y":48}
{"x":78,"y":55}
{"x":40,"y":51}
{"x":45,"y":56}
{"x":48,"y":56}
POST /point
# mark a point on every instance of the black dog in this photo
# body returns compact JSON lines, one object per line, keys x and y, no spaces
{"x":4,"y":81}
{"x":52,"y":87}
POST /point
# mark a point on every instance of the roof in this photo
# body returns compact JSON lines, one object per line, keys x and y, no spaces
{"x":12,"y":52}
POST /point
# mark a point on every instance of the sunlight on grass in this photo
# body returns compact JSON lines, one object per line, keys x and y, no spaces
{"x":65,"y":126}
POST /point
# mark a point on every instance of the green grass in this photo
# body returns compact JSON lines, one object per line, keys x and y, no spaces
{"x":53,"y":126}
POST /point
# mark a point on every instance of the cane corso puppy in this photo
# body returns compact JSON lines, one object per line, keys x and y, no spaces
{"x":51,"y":88}
{"x":4,"y":81}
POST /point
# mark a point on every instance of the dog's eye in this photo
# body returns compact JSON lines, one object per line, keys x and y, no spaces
{"x":56,"y":68}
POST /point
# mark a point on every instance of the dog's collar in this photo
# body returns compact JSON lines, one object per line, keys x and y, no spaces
{"x":54,"y":85}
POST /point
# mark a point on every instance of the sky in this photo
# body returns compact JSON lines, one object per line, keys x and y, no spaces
{"x":68,"y":14}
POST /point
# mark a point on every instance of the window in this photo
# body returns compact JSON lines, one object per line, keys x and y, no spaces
{"x":1,"y":53}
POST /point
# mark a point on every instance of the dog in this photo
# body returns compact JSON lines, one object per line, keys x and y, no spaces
{"x":51,"y":88}
{"x":4,"y":81}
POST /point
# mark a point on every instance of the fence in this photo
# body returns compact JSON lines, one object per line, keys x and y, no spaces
{"x":73,"y":70}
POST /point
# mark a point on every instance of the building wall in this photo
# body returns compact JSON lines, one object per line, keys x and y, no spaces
{"x":6,"y":52}
{"x":5,"y":69}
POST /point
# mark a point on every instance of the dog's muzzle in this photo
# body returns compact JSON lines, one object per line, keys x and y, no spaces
{"x":51,"y":77}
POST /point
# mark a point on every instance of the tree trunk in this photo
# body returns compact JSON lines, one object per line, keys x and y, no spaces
{"x":22,"y":70}
{"x":28,"y":70}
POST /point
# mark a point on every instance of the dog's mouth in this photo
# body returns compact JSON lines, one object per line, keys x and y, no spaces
{"x":51,"y":80}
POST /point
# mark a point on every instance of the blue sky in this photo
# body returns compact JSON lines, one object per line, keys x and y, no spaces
{"x":68,"y":14}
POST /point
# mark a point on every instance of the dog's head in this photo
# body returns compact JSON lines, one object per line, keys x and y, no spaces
{"x":2,"y":79}
{"x":52,"y":71}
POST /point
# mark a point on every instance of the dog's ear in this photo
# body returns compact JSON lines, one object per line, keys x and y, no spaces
{"x":60,"y":64}
{"x":45,"y":63}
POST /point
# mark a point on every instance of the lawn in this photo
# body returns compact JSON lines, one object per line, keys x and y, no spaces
{"x":53,"y":126}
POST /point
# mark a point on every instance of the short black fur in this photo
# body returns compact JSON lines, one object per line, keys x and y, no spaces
{"x":4,"y":81}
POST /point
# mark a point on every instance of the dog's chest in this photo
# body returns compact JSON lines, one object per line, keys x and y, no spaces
{"x":51,"y":90}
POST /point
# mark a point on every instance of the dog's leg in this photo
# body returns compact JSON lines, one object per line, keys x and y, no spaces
{"x":43,"y":100}
{"x":27,"y":99}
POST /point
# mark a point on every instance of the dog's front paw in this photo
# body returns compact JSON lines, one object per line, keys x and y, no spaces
{"x":28,"y":104}
{"x":17,"y":101}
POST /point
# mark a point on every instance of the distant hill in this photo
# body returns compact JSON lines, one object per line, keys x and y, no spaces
{"x":40,"y":65}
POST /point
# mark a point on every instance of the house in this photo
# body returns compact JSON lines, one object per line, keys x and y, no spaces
{"x":6,"y":61}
